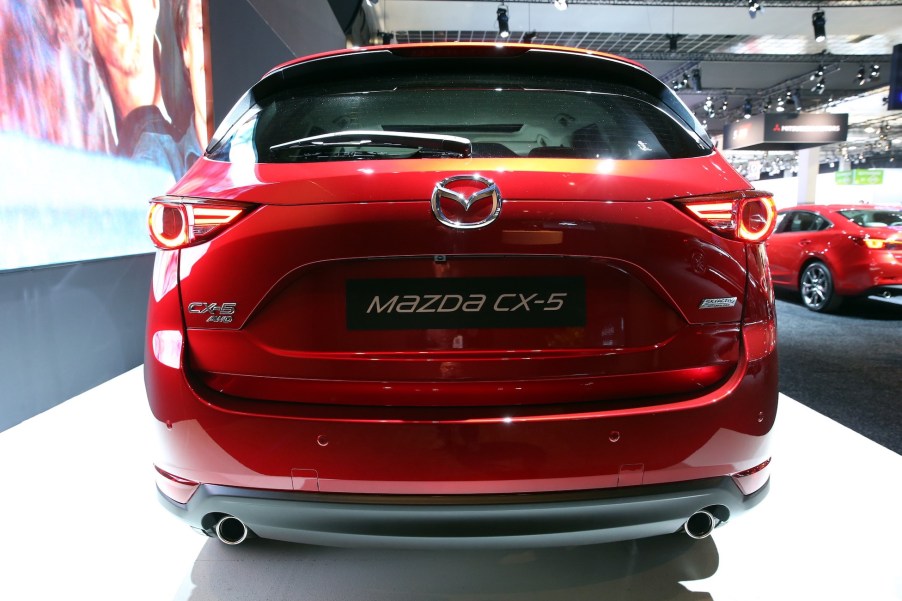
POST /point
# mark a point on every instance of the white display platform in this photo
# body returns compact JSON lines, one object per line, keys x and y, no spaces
{"x":81,"y":521}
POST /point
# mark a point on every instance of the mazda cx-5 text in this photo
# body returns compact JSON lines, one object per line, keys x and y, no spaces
{"x":461,"y":294}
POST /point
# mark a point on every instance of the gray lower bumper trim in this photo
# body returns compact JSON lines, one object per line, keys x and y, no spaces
{"x":534,"y":520}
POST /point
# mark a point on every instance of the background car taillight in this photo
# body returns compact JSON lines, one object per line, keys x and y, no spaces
{"x":179,"y":222}
{"x":749,"y":216}
{"x":877,"y":243}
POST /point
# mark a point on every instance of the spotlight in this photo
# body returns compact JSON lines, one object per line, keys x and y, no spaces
{"x":560,"y":4}
{"x":780,"y":105}
{"x":861,"y":78}
{"x":820,"y":86}
{"x":696,"y":80}
{"x":819,"y":72}
{"x":795,"y":97}
{"x":387,"y":38}
{"x":767,"y":104}
{"x":672,"y":39}
{"x":724,"y":105}
{"x":528,"y":37}
{"x":819,"y":21}
{"x":875,"y":73}
{"x":754,"y":8}
{"x":503,"y":27}
{"x":747,"y":108}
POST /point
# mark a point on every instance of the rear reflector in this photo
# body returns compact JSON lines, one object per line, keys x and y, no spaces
{"x":178,"y":222}
{"x":746,"y":215}
{"x":178,"y":489}
{"x":752,"y":479}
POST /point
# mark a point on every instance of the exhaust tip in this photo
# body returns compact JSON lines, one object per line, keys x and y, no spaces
{"x":231,"y":531}
{"x":700,"y":525}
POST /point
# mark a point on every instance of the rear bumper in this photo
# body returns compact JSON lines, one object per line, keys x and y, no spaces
{"x":483,"y":521}
{"x":886,"y":291}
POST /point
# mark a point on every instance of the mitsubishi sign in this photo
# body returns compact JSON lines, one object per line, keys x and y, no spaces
{"x":786,"y":131}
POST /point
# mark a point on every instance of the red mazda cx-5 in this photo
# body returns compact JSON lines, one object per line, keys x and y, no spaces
{"x":458,"y":294}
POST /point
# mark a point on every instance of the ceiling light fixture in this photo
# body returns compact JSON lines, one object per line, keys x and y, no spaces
{"x":503,"y":27}
{"x":747,"y":109}
{"x":754,"y":8}
{"x":860,"y":77}
{"x":560,"y":4}
{"x":528,"y":37}
{"x":819,"y":21}
{"x":672,"y":39}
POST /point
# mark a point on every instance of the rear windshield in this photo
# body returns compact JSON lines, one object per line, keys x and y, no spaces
{"x":479,"y":116}
{"x":874,"y":217}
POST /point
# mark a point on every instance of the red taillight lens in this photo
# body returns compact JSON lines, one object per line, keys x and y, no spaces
{"x":749,"y":216}
{"x":176,"y":222}
{"x":877,"y":243}
{"x":757,"y":217}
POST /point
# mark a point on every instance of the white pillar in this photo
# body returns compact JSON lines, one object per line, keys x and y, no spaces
{"x":809,"y":162}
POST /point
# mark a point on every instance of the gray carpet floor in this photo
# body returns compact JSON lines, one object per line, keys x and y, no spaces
{"x":846,"y":365}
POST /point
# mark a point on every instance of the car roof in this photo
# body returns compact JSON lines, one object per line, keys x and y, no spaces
{"x":456,"y":49}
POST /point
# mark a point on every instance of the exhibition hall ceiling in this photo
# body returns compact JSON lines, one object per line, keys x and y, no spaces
{"x":738,"y":56}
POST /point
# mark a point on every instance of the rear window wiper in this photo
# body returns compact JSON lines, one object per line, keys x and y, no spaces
{"x":326,"y":146}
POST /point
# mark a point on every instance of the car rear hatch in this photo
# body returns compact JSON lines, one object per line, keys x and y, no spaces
{"x":345,"y":285}
{"x":582,"y":289}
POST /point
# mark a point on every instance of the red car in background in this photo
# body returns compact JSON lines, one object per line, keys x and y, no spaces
{"x":461,"y":294}
{"x":829,"y":252}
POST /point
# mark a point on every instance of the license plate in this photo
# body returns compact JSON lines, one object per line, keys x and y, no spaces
{"x":448,"y":303}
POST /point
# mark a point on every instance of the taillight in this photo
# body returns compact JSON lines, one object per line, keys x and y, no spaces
{"x":749,"y":216}
{"x":877,"y":243}
{"x":179,"y":222}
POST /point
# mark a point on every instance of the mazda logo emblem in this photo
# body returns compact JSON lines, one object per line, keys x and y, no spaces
{"x":485,"y":190}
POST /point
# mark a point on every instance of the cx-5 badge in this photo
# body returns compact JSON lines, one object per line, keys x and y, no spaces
{"x":466,"y":190}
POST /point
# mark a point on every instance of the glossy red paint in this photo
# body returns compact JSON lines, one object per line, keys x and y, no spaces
{"x":257,"y":379}
{"x":854,"y":268}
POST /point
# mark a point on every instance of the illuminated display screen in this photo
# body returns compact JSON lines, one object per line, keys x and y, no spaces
{"x":103,"y":105}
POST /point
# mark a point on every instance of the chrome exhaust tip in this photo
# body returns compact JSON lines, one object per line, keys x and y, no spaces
{"x":231,"y":531}
{"x":700,"y":525}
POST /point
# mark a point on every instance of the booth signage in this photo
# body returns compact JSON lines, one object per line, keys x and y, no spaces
{"x":786,"y":131}
{"x":860,"y":177}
